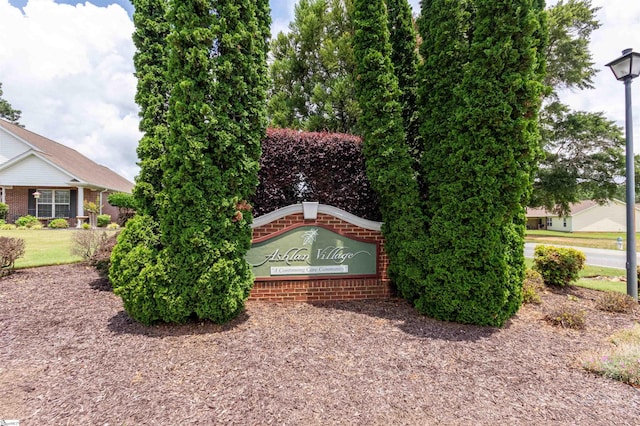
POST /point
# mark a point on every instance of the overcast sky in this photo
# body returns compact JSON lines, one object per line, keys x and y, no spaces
{"x":68,"y":66}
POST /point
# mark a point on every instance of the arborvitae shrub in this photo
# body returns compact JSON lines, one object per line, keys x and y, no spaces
{"x":558,"y":266}
{"x":305,"y":166}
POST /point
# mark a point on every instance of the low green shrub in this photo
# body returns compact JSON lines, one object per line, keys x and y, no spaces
{"x":558,"y":266}
{"x":86,"y":226}
{"x":4,"y":210}
{"x":27,"y":221}
{"x":59,"y":223}
{"x":568,"y":316}
{"x":2,"y":222}
{"x":11,"y":249}
{"x":532,"y":286}
{"x":126,"y":205}
{"x":113,"y":226}
{"x":7,"y":227}
{"x":613,"y":301}
{"x":103,"y":220}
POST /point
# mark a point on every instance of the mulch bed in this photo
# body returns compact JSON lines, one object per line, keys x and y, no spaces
{"x":69,"y":354}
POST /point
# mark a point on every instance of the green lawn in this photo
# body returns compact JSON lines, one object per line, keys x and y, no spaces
{"x":44,"y":246}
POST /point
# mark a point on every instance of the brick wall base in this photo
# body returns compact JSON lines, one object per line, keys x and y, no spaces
{"x":321,"y":290}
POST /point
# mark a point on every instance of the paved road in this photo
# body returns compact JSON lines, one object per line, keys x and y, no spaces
{"x":595,"y":257}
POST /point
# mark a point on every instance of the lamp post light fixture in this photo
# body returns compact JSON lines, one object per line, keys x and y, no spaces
{"x":36,"y":195}
{"x":625,"y":69}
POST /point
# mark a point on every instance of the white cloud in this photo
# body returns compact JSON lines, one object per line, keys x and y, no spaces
{"x":70,"y":70}
{"x":619,"y":30}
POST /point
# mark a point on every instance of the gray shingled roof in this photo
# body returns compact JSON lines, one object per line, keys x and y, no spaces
{"x":70,"y":160}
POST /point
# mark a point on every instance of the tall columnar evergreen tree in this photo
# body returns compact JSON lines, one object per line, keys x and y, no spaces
{"x":483,"y":162}
{"x":389,"y":165}
{"x":152,"y":95}
{"x":445,"y":27}
{"x":405,"y":60}
{"x":216,"y":71}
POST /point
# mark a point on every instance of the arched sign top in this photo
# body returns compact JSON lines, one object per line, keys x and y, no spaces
{"x":321,"y":208}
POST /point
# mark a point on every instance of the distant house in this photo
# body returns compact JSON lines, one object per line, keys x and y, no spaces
{"x":62,"y":177}
{"x":585,"y":216}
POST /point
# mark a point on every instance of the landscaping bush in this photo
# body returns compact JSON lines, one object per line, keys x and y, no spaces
{"x":612,"y":301}
{"x":101,"y":258}
{"x":4,"y":210}
{"x":113,"y":226}
{"x":532,"y":287}
{"x":27,"y":221}
{"x":558,"y":266}
{"x":11,"y":249}
{"x":59,"y":223}
{"x":305,"y":166}
{"x":568,"y":316}
{"x":125,"y":204}
{"x":104,"y":220}
{"x":85,"y":243}
{"x":7,"y":226}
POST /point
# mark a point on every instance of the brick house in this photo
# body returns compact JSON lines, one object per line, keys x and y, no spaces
{"x":63,"y":178}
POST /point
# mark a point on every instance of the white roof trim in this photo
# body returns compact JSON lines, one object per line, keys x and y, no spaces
{"x":37,"y":154}
{"x":322,"y":208}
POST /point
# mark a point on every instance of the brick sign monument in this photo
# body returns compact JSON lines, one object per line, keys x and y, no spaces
{"x":314,"y":252}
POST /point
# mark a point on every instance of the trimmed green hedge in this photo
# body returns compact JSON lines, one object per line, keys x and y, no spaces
{"x":559,"y":266}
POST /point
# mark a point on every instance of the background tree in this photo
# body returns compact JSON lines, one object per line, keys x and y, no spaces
{"x":388,"y":162}
{"x":312,"y":70}
{"x":584,"y":152}
{"x":152,"y":95}
{"x":193,"y":256}
{"x":405,"y":60}
{"x":480,"y":149}
{"x":8,"y":112}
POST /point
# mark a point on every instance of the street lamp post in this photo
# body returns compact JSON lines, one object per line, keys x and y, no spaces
{"x":626,"y":68}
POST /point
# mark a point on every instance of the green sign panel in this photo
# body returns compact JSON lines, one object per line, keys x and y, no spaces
{"x":312,"y":251}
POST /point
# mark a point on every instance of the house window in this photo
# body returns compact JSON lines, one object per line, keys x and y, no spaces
{"x":54,"y":203}
{"x":549,"y":222}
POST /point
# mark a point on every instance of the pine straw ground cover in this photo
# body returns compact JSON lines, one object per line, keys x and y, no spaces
{"x":69,"y":355}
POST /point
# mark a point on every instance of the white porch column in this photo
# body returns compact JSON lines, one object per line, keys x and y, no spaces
{"x":80,"y":206}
